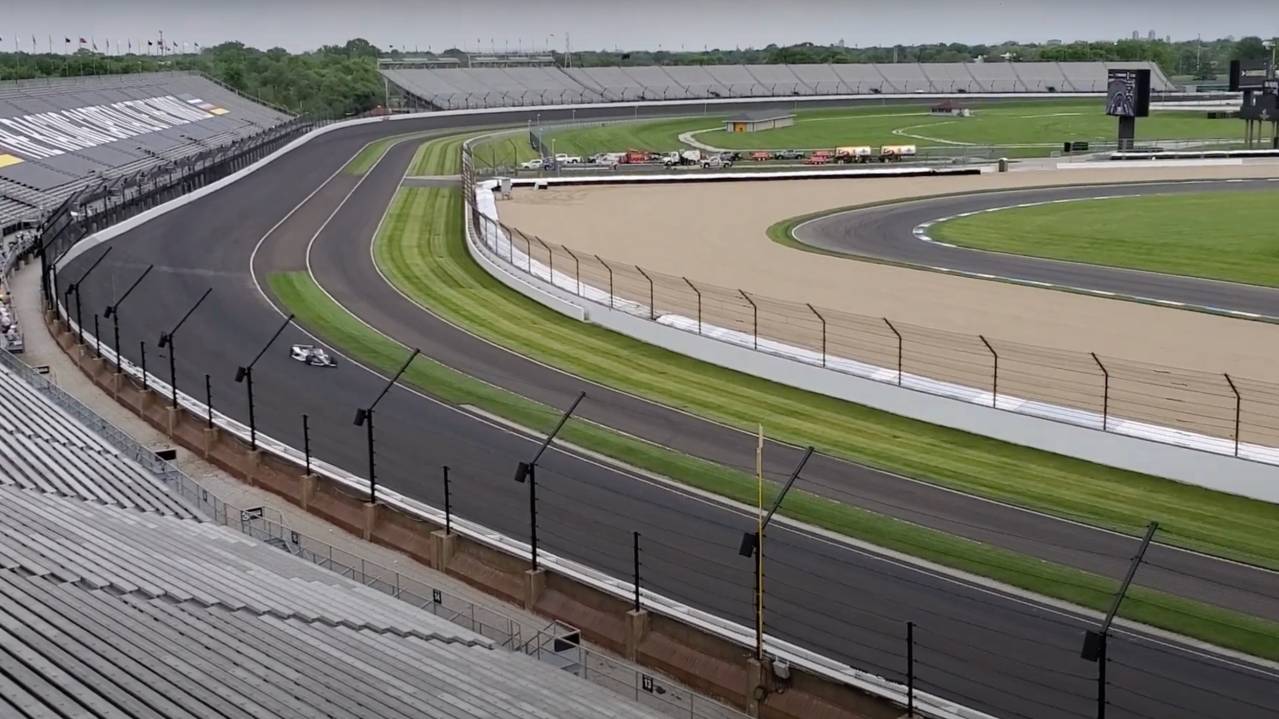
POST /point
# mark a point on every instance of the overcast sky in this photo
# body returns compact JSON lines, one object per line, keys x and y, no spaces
{"x":631,"y":24}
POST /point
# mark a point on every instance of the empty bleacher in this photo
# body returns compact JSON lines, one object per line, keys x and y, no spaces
{"x":120,"y":125}
{"x":459,"y":87}
{"x":117,"y":601}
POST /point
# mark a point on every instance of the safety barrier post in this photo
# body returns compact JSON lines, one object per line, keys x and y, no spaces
{"x":1105,"y":392}
{"x":577,"y":268}
{"x":635,"y":552}
{"x":306,"y":441}
{"x":910,"y":669}
{"x":754,"y":316}
{"x":610,"y":280}
{"x":994,"y":382}
{"x":97,"y":337}
{"x":652,"y":309}
{"x":528,"y":254}
{"x":142,"y":351}
{"x":699,"y":302}
{"x":208,"y":401}
{"x":1238,"y":410}
{"x":823,"y":321}
{"x":448,"y":503}
{"x":899,"y":349}
{"x":550,"y":259}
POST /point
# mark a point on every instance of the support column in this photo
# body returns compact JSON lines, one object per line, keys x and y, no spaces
{"x":443,"y":546}
{"x":534,"y":585}
{"x":210,"y":440}
{"x":251,"y":467}
{"x":308,"y":491}
{"x":170,"y":419}
{"x":755,"y":689}
{"x":636,"y":630}
{"x":370,"y":518}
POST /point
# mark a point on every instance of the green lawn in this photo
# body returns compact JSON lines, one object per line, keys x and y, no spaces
{"x":435,"y":210}
{"x":1042,"y":125}
{"x":1182,"y":234}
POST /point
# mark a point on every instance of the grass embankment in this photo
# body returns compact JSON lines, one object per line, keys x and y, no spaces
{"x":320,"y":314}
{"x":368,"y":156}
{"x":421,"y":248}
{"x":1181,"y":234}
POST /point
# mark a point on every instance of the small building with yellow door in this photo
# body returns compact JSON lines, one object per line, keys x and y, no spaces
{"x":757,"y":120}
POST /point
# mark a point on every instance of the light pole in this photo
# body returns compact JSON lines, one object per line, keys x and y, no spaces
{"x":75,"y":287}
{"x":365,"y":417}
{"x":246,"y":373}
{"x":166,"y":340}
{"x":113,"y":312}
{"x":528,"y":471}
{"x":753,"y":543}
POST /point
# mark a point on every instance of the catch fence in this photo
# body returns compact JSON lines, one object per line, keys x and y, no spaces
{"x":1217,"y":412}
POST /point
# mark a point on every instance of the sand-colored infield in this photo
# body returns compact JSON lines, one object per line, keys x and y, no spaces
{"x":714,"y":234}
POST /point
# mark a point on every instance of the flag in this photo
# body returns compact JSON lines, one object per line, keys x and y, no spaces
{"x":83,"y":41}
{"x":66,"y":41}
{"x":149,"y":43}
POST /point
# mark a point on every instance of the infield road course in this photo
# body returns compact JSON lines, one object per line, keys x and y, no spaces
{"x":975,"y":645}
{"x":888,"y":233}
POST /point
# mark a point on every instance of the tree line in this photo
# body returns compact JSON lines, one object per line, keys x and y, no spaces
{"x":342,"y":80}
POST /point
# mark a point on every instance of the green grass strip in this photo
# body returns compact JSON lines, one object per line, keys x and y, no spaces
{"x":314,"y":309}
{"x":1179,"y":234}
{"x":422,"y":251}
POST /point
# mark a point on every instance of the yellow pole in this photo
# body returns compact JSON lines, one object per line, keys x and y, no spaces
{"x":759,"y":548}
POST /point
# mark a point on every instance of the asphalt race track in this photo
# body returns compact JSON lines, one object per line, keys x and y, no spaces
{"x":886,"y":232}
{"x":973,"y":645}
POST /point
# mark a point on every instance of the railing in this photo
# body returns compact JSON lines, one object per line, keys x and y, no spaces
{"x":565,"y":651}
{"x":1217,"y":412}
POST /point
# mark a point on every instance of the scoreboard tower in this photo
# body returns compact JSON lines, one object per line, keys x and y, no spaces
{"x":1257,"y":80}
{"x":1127,"y":98}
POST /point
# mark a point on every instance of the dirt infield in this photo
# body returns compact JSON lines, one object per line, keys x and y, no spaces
{"x":715,"y":232}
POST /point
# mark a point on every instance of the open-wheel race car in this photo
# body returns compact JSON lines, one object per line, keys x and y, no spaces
{"x":312,"y":355}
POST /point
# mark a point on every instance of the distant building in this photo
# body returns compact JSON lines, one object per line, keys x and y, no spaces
{"x":1136,"y":35}
{"x":757,"y":120}
{"x":1150,"y":35}
{"x":1053,"y":43}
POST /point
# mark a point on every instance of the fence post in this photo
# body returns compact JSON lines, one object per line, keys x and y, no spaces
{"x":754,"y":317}
{"x":448,"y":503}
{"x":97,"y":335}
{"x":823,"y":321}
{"x":306,"y":441}
{"x":652,"y":309}
{"x":699,"y":302}
{"x":636,"y":567}
{"x":208,"y":401}
{"x":528,"y":254}
{"x":899,"y":349}
{"x":577,"y":268}
{"x":142,"y":350}
{"x":1238,"y":409}
{"x":994,"y":381}
{"x":610,"y":280}
{"x":550,"y":259}
{"x":910,"y":669}
{"x":510,"y":245}
{"x":1105,"y":392}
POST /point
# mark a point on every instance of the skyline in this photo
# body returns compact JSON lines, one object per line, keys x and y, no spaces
{"x":538,"y":25}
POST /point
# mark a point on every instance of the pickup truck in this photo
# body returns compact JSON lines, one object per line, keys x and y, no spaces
{"x":716,"y":162}
{"x":789,"y":155}
{"x":565,"y":159}
{"x":534,"y":164}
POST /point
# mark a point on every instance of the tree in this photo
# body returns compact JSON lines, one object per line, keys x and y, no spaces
{"x":1250,"y":48}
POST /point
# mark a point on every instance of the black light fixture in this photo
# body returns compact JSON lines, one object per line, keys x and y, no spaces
{"x":364,"y":418}
{"x":245,"y":372}
{"x":526,"y":473}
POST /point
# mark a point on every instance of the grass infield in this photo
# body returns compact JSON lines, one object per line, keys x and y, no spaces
{"x":1180,"y":234}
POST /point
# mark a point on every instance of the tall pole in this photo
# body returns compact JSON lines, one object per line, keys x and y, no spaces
{"x":75,"y":287}
{"x":113,"y":311}
{"x":166,"y":340}
{"x":245,"y":374}
{"x":365,"y":417}
{"x":1095,"y":641}
{"x":527,"y":471}
{"x":753,"y":543}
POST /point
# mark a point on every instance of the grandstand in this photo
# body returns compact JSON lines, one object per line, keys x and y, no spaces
{"x":61,"y":135}
{"x":467,"y":87}
{"x":118,"y":600}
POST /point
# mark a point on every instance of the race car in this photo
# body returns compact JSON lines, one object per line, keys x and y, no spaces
{"x":312,"y":355}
